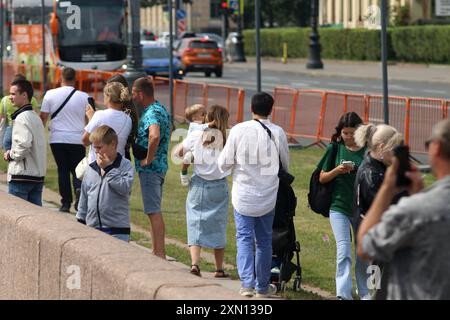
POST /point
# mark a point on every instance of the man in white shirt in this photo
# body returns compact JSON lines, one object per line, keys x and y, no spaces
{"x":254,"y":158}
{"x":66,"y":131}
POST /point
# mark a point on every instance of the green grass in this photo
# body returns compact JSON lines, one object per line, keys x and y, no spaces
{"x":318,"y":249}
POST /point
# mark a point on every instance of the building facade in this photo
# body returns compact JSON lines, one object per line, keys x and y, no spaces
{"x":201,"y":16}
{"x":366,"y":13}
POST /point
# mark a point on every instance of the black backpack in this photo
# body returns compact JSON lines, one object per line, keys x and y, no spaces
{"x":319,"y":196}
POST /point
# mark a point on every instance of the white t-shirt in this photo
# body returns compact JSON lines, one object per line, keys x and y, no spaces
{"x":118,"y":120}
{"x":68,"y":125}
{"x":205,"y":158}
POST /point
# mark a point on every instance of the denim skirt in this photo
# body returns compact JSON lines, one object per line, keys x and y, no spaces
{"x":207,"y":213}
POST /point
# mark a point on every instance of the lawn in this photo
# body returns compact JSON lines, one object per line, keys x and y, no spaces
{"x":313,"y":231}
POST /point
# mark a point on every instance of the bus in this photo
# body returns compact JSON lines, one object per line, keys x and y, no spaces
{"x":82,"y":34}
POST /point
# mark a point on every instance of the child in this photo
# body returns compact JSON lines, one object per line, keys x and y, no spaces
{"x":106,"y":187}
{"x":196,"y":115}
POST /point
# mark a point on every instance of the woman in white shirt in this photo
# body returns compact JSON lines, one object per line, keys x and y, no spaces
{"x":115,"y":96}
{"x":207,"y":200}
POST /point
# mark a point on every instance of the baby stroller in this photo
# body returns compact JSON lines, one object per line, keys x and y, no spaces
{"x":284,"y":242}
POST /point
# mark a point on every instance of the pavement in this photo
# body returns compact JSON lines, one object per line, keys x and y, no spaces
{"x":425,"y":73}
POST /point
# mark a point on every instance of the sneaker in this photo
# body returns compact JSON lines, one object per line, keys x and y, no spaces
{"x":271,"y":290}
{"x":367,"y":297}
{"x":247,"y":292}
{"x":65,"y":208}
{"x":184,"y":180}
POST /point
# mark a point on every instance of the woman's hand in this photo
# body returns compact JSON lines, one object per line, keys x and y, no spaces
{"x":341,"y":169}
{"x":89,"y":112}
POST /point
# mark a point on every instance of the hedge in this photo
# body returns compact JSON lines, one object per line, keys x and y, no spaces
{"x":412,"y":44}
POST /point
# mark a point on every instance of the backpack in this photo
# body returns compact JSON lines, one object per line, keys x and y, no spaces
{"x":320,"y":195}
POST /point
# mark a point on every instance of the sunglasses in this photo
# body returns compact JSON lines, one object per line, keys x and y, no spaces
{"x":428,"y":142}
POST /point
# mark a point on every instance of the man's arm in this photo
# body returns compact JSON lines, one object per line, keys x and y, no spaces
{"x":153,"y":143}
{"x":44,"y":117}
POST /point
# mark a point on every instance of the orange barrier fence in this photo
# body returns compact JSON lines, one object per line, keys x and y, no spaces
{"x":314,"y":114}
{"x":185,"y":93}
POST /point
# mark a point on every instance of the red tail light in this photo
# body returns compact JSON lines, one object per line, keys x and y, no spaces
{"x":188,"y":50}
{"x":219,"y":50}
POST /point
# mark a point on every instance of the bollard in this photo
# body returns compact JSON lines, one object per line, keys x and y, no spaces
{"x":285,"y":48}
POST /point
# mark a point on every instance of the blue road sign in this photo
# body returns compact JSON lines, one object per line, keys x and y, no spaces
{"x":181,"y":14}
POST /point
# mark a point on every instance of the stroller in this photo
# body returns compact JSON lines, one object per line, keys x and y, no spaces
{"x":284,"y":242}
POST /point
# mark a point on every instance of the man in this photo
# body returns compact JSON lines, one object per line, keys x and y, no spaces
{"x":153,"y":135}
{"x":27,"y":157}
{"x":106,"y":187}
{"x":254,"y":158}
{"x":412,"y":236}
{"x":66,"y":106}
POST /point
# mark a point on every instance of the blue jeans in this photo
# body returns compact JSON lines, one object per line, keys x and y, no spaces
{"x":249,"y":229}
{"x":31,"y":192}
{"x":7,"y":138}
{"x":341,"y":226}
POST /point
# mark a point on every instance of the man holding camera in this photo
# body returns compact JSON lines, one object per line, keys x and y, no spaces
{"x":412,"y":236}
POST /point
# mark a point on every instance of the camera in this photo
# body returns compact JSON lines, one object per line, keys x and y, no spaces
{"x":91,"y":101}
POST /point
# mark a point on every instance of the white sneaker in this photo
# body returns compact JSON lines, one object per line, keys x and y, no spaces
{"x":185,"y":180}
{"x":271,"y":290}
{"x":367,"y":297}
{"x":247,"y":292}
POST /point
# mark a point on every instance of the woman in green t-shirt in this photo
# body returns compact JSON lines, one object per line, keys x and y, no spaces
{"x":348,"y":158}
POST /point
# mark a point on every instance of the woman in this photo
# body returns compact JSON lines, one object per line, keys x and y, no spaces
{"x":130,"y":108}
{"x":115,"y":97}
{"x":381,"y":141}
{"x":348,"y":158}
{"x":207,"y":200}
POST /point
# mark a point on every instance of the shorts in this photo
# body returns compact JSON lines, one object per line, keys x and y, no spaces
{"x":151,"y":190}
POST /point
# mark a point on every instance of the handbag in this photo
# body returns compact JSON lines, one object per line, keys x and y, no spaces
{"x":139,"y":152}
{"x":3,"y":122}
{"x":320,"y":194}
{"x":81,"y":168}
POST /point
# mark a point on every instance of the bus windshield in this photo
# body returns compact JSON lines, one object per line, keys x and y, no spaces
{"x":99,"y":22}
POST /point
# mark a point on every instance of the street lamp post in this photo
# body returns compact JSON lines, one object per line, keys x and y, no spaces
{"x":258,"y":45}
{"x":239,"y":54}
{"x":315,"y":61}
{"x":135,"y":70}
{"x":384,"y":56}
{"x":2,"y":45}
{"x":44,"y":69}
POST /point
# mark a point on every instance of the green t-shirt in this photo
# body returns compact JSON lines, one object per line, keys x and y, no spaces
{"x":10,"y":109}
{"x":342,"y":199}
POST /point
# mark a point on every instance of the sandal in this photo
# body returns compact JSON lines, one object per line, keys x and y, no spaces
{"x":221,"y":274}
{"x":195,"y":270}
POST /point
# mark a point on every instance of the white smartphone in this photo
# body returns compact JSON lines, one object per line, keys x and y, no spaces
{"x":348,"y":164}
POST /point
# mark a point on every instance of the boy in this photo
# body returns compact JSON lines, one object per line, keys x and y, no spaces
{"x":196,"y":115}
{"x":106,"y":187}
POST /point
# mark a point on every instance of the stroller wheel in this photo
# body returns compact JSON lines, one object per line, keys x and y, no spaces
{"x":297,"y":283}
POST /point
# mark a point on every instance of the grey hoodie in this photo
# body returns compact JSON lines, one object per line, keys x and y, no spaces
{"x":105,"y":201}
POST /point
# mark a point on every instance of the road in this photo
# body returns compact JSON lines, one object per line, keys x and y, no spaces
{"x":246,"y":79}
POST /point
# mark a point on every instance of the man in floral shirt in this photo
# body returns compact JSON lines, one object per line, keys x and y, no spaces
{"x":153,"y":135}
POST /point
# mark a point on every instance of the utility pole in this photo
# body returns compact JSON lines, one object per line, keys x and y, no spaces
{"x":384,"y":60}
{"x":171,"y":61}
{"x":135,"y":70}
{"x":258,"y":45}
{"x":44,"y":69}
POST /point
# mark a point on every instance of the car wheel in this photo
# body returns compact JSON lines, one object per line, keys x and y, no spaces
{"x":208,"y":74}
{"x":218,"y":73}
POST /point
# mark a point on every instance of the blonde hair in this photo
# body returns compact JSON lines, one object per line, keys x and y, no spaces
{"x":373,"y":136}
{"x":103,"y":134}
{"x":220,"y":116}
{"x":192,"y":110}
{"x":117,"y":92}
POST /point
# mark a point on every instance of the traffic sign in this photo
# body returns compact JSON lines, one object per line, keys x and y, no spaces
{"x":181,"y":14}
{"x":443,"y":8}
{"x":234,"y":4}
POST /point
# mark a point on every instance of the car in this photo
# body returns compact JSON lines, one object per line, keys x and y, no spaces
{"x":200,"y":55}
{"x":164,"y":38}
{"x":156,"y":58}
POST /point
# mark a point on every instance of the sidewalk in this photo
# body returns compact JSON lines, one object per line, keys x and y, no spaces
{"x":426,"y":73}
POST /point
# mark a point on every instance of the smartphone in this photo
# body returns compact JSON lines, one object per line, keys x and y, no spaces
{"x":91,"y":101}
{"x":402,"y":154}
{"x":348,"y":164}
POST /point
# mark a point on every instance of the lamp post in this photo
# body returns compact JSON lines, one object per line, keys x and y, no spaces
{"x":384,"y":56}
{"x":239,"y":54}
{"x":314,"y":45}
{"x":258,"y":45}
{"x":2,"y":45}
{"x":135,"y":70}
{"x":44,"y":69}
